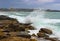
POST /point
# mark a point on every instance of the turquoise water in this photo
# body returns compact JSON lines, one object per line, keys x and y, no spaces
{"x":40,"y":19}
{"x":53,"y":15}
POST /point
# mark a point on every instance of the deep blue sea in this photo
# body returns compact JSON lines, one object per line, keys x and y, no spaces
{"x":39,"y":19}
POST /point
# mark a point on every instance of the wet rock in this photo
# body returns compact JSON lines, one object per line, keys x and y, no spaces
{"x":3,"y":17}
{"x":24,"y":35}
{"x":48,"y":31}
{"x":27,"y":24}
{"x":33,"y":35}
{"x":41,"y":34}
{"x":52,"y":39}
{"x":30,"y":27}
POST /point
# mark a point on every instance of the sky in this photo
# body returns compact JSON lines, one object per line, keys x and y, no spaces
{"x":44,"y":4}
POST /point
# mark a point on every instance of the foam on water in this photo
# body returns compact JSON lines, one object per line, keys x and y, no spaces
{"x":37,"y":17}
{"x":39,"y":21}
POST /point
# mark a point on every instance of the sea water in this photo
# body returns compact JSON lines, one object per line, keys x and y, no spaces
{"x":39,"y":19}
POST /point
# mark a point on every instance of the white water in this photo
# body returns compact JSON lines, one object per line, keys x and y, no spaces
{"x":38,"y":19}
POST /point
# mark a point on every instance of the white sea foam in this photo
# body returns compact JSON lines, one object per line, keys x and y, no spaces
{"x":39,"y":21}
{"x":37,"y":17}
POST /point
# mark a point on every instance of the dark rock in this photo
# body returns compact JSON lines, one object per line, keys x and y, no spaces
{"x":52,"y":39}
{"x":5,"y":30}
{"x":46,"y":30}
{"x":3,"y":17}
{"x":24,"y":35}
{"x":41,"y":34}
{"x":27,"y":24}
{"x":2,"y":37}
{"x":30,"y":27}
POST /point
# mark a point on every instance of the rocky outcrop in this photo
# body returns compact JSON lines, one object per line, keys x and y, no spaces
{"x":47,"y":31}
{"x":12,"y":24}
{"x":43,"y":32}
{"x":10,"y":27}
{"x":24,"y":35}
{"x":3,"y":17}
{"x":12,"y":30}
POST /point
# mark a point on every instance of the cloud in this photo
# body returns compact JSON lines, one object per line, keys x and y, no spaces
{"x":45,"y":1}
{"x":57,"y":4}
{"x":39,"y":1}
{"x":32,"y":2}
{"x":53,"y":6}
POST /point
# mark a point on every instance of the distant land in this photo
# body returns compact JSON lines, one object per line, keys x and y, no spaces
{"x":15,"y":9}
{"x":52,"y":10}
{"x":25,"y":10}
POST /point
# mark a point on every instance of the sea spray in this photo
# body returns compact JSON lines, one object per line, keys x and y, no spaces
{"x":38,"y":20}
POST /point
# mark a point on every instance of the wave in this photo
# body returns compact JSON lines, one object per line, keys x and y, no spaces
{"x":38,"y":20}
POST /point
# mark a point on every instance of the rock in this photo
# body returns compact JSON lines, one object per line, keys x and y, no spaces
{"x":33,"y":35}
{"x":27,"y":24}
{"x":30,"y":27}
{"x":24,"y":35}
{"x":33,"y":40}
{"x":15,"y":39}
{"x":41,"y":34}
{"x":2,"y":37}
{"x":46,"y":30}
{"x":13,"y":27}
{"x":2,"y":33}
{"x":52,"y":39}
{"x":3,"y":17}
{"x":5,"y":30}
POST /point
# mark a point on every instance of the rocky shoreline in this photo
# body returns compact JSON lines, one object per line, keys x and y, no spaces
{"x":12,"y":30}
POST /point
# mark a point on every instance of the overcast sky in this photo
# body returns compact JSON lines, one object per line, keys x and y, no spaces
{"x":45,"y":4}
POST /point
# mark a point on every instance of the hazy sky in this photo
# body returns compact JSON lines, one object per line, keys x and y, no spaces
{"x":45,"y":4}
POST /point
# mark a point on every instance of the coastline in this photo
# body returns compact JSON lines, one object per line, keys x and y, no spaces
{"x":12,"y":30}
{"x":24,"y":10}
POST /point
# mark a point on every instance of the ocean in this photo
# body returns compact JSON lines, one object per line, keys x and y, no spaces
{"x":39,"y":19}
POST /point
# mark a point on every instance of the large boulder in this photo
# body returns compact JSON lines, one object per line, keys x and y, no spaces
{"x":41,"y":34}
{"x":47,"y":31}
